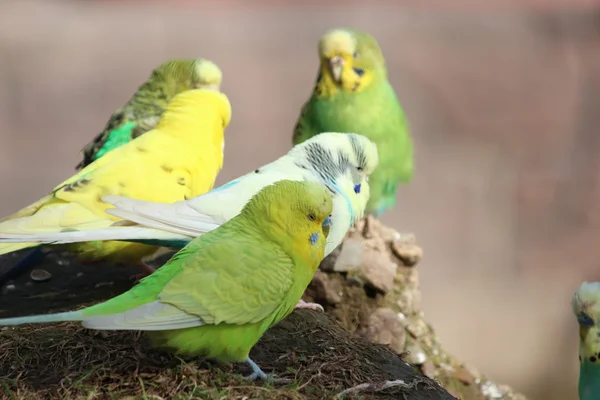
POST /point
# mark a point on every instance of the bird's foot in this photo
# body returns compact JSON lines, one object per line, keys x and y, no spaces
{"x":258,"y":373}
{"x":309,"y":306}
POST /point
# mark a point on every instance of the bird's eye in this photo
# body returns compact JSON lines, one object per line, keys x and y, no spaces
{"x":355,"y":55}
{"x":360,"y":168}
{"x":312,"y":217}
{"x":585,"y":320}
{"x":357,"y":189}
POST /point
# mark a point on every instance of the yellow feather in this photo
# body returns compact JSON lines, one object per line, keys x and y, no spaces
{"x":177,"y":160}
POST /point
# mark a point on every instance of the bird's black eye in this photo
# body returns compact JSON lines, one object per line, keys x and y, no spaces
{"x":312,"y":217}
{"x":355,"y":55}
{"x":360,"y":168}
{"x":585,"y":320}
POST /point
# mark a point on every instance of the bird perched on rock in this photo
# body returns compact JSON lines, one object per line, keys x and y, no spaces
{"x":352,"y":94}
{"x":220,"y":293}
{"x":341,"y":161}
{"x":143,"y":111}
{"x":586,"y":307}
{"x":177,"y":160}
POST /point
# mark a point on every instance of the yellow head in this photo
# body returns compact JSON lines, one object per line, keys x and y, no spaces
{"x":586,"y":307}
{"x":293,"y":214}
{"x":350,"y":61}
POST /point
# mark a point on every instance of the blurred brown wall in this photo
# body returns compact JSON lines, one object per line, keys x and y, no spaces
{"x":503,"y":109}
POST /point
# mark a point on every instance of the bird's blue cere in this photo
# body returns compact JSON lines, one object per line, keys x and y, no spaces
{"x":327,"y":222}
{"x":585,"y":320}
{"x":357,"y":189}
{"x":313,"y":238}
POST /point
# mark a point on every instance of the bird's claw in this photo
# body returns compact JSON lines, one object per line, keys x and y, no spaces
{"x":309,"y":306}
{"x":258,"y":373}
{"x":266,"y":377}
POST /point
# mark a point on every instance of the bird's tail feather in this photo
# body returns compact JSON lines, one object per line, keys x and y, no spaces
{"x":117,"y":233}
{"x":177,"y":217}
{"x":34,"y":319}
{"x":9,"y":247}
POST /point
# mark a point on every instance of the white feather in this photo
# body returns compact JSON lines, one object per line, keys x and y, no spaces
{"x":194,"y":217}
{"x":154,"y":316}
{"x":117,"y":233}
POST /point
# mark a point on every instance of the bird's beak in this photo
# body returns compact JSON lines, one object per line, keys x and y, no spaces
{"x":327,"y":226}
{"x":336,"y":65}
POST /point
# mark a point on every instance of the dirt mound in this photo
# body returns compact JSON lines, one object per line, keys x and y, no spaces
{"x":67,"y":361}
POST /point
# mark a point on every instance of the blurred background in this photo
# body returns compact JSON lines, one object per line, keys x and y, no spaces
{"x":503,"y":98}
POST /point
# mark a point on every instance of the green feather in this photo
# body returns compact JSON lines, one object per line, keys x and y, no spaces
{"x":589,"y":380}
{"x":117,"y":137}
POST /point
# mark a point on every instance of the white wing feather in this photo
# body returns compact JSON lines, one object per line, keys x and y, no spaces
{"x":154,"y":316}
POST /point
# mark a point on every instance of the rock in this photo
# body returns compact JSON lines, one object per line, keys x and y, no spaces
{"x":462,"y":374}
{"x":378,"y":270}
{"x":385,"y":327}
{"x":350,"y":256}
{"x":409,"y":254}
{"x":324,"y":290}
{"x":40,"y":275}
{"x":416,"y":355}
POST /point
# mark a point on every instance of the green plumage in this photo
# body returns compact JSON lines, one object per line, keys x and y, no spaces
{"x":220,"y":293}
{"x":143,"y":111}
{"x":361,"y":100}
{"x":589,"y":380}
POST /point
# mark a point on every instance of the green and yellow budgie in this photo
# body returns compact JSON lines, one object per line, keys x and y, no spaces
{"x":220,"y":293}
{"x":353,"y":94}
{"x":143,"y":111}
{"x":586,"y":307}
{"x":177,"y":160}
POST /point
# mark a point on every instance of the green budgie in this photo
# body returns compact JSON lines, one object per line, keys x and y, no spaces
{"x":143,"y":111}
{"x":352,"y":94}
{"x":586,"y":307}
{"x":218,"y":295}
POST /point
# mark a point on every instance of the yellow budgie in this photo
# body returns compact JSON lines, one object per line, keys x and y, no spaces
{"x":177,"y":160}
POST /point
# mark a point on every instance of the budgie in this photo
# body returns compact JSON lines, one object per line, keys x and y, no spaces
{"x":177,"y":160}
{"x":220,"y":293}
{"x":341,"y":161}
{"x":352,"y":94}
{"x":586,"y":307}
{"x":143,"y":111}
